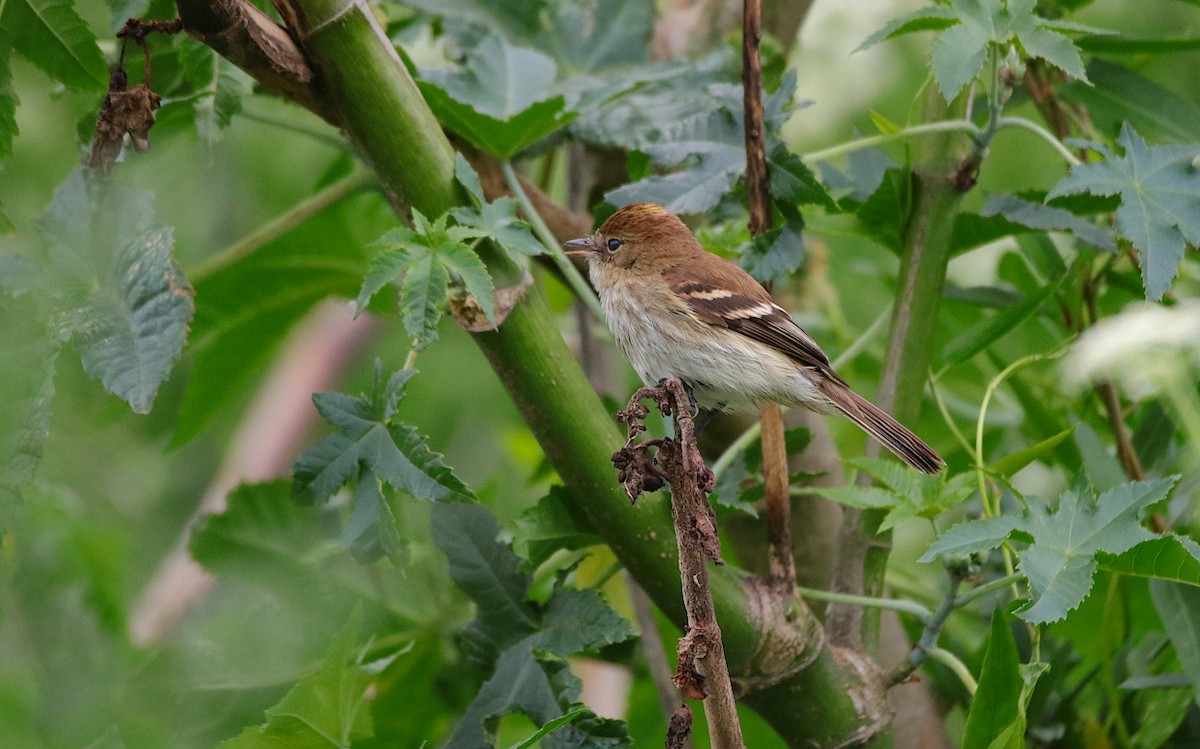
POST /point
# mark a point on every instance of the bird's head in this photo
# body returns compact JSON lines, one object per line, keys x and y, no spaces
{"x":642,"y":234}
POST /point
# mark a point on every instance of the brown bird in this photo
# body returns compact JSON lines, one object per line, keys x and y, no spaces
{"x":679,"y":311}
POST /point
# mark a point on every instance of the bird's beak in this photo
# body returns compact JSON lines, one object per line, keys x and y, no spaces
{"x":585,"y":245}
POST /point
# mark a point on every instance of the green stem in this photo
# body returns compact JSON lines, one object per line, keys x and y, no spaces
{"x":988,"y":588}
{"x":841,"y":149}
{"x":1044,"y":134}
{"x":280,"y":225}
{"x":553,"y":248}
{"x":895,"y":604}
{"x":927,"y":642}
{"x":952,"y":662}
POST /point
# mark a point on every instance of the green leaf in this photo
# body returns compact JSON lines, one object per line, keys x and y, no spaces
{"x":28,"y":352}
{"x":129,"y":308}
{"x":1160,"y":201}
{"x":526,"y":642}
{"x":549,"y":526}
{"x":370,"y":531}
{"x":1061,"y":560}
{"x":933,"y":18}
{"x":518,"y":19}
{"x":972,"y":537}
{"x":915,"y":494}
{"x":327,"y":709}
{"x":368,"y":442}
{"x":249,"y":307}
{"x":220,"y":98}
{"x":602,"y":34}
{"x":1179,"y":608}
{"x":260,"y":537}
{"x":8,"y":115}
{"x":1121,"y":95}
{"x":987,"y":331}
{"x":496,"y":220}
{"x":996,"y":709}
{"x":488,"y":572}
{"x":422,"y":259}
{"x":558,"y":722}
{"x":500,"y":99}
{"x":1010,"y":464}
{"x":1167,"y":557}
{"x":1041,"y":216}
{"x":423,"y":295}
{"x":51,"y":35}
{"x":960,"y":50}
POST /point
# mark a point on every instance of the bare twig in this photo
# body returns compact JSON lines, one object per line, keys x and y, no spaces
{"x":781,"y":562}
{"x":702,"y":672}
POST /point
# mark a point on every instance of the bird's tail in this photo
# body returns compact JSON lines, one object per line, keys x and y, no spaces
{"x":891,"y":434}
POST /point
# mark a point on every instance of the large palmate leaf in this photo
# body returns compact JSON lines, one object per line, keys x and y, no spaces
{"x":501,"y":99}
{"x":1159,"y":188}
{"x":120,"y":296}
{"x":524,"y":641}
{"x":970,"y":27}
{"x":1061,"y":558}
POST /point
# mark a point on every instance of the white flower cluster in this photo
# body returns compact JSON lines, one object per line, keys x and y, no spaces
{"x":1145,"y":349}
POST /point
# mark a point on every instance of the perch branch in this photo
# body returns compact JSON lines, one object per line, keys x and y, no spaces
{"x":702,"y":672}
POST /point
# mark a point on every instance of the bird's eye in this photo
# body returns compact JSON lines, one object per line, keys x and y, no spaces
{"x":614,"y":245}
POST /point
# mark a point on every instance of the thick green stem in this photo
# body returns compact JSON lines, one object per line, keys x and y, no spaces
{"x":806,"y":693}
{"x":927,"y":238}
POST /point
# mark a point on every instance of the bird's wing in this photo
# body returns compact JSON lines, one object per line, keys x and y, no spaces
{"x":751,"y":313}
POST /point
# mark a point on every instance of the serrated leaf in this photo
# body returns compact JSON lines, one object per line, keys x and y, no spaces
{"x":960,"y":50}
{"x":501,"y":99}
{"x":1179,"y":608}
{"x":498,"y":220}
{"x":466,"y":176}
{"x":1060,"y":563}
{"x":996,"y":705}
{"x":1041,"y":216}
{"x":549,"y":526}
{"x":1061,"y":560}
{"x":370,"y":531}
{"x":369,"y":442}
{"x":130,"y":321}
{"x":933,"y":18}
{"x":862,"y":497}
{"x":971,"y":537}
{"x":423,"y":295}
{"x":1168,"y":557}
{"x":526,"y":642}
{"x":774,"y":254}
{"x":602,"y":34}
{"x":1160,"y":201}
{"x":327,"y":709}
{"x":915,"y":494}
{"x":51,"y":35}
{"x":487,"y":571}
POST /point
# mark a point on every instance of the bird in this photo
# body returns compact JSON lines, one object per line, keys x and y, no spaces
{"x":679,"y":311}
